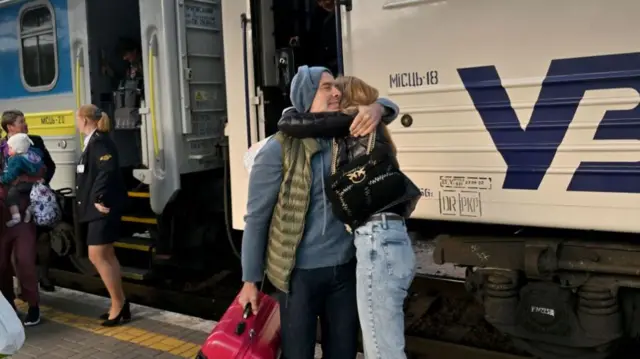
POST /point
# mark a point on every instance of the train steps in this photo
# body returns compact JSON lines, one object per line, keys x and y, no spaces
{"x":135,"y":248}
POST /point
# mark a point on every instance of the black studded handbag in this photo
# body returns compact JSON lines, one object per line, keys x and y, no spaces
{"x":366,"y":185}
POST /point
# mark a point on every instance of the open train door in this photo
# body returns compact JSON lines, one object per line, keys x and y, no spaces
{"x":81,"y":72}
{"x":242,"y":126}
{"x":161,"y":121}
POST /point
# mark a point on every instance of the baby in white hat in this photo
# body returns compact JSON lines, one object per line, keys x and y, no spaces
{"x":23,"y":160}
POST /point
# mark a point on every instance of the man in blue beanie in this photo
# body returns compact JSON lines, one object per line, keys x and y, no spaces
{"x":291,"y":235}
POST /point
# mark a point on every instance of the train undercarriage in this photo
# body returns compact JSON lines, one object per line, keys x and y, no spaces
{"x":555,"y":298}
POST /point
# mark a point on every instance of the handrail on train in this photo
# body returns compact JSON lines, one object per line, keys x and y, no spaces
{"x":78,"y":71}
{"x":152,"y":99}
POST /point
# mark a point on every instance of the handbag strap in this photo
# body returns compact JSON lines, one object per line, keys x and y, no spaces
{"x":372,"y":142}
{"x":334,"y":160}
{"x":334,"y":156}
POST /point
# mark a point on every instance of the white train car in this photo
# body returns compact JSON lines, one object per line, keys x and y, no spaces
{"x":520,"y":123}
{"x":491,"y":130}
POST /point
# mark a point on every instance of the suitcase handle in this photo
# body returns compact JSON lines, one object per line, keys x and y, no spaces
{"x":247,"y":311}
{"x":245,"y":315}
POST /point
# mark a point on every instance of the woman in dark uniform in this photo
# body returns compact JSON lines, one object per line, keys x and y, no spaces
{"x":100,"y":195}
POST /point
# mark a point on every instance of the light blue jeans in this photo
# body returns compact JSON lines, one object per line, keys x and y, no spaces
{"x":385,"y":269}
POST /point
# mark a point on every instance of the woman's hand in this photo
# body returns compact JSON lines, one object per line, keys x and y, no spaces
{"x":102,"y":209}
{"x":366,"y":120}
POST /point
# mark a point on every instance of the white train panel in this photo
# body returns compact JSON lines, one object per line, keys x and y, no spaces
{"x":512,"y":112}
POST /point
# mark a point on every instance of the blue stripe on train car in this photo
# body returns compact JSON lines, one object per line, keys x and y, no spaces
{"x":530,"y":151}
{"x":10,"y":80}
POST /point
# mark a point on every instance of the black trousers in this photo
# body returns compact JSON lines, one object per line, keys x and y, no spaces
{"x":330,"y":294}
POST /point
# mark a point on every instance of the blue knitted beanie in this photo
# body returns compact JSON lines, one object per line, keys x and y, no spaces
{"x":305,"y":85}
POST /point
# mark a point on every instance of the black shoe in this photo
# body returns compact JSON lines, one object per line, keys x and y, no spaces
{"x":123,"y":317}
{"x":33,"y":317}
{"x":105,"y":316}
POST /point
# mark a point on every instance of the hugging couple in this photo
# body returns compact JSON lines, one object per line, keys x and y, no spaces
{"x":325,"y":221}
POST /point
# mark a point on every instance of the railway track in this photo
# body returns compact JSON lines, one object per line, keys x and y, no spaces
{"x":213,"y":306}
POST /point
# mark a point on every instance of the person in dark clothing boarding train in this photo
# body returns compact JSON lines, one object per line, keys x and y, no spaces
{"x":100,"y":194}
{"x":131,"y":76}
{"x":13,"y":122}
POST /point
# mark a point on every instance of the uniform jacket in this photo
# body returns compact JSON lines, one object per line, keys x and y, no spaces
{"x":98,"y":179}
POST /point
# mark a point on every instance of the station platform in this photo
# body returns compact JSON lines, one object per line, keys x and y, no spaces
{"x":70,"y":329}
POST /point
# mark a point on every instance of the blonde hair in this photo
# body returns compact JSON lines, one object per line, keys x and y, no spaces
{"x":356,"y":92}
{"x":94,"y":114}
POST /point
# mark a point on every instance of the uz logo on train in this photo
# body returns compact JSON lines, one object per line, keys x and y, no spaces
{"x":565,"y":85}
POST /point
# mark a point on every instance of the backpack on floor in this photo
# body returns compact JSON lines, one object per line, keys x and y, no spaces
{"x":11,"y":330}
{"x":44,"y":206}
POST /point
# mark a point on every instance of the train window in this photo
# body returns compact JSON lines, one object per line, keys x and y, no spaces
{"x":38,"y":50}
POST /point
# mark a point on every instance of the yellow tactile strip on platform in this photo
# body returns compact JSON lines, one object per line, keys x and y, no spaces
{"x":140,"y":337}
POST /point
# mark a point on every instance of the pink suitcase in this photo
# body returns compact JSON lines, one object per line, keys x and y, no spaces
{"x":242,"y":335}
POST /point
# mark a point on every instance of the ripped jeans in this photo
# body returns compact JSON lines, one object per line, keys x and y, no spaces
{"x":385,"y":270}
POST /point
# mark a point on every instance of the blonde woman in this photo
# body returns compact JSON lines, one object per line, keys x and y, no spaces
{"x":385,"y":257}
{"x":100,"y":194}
